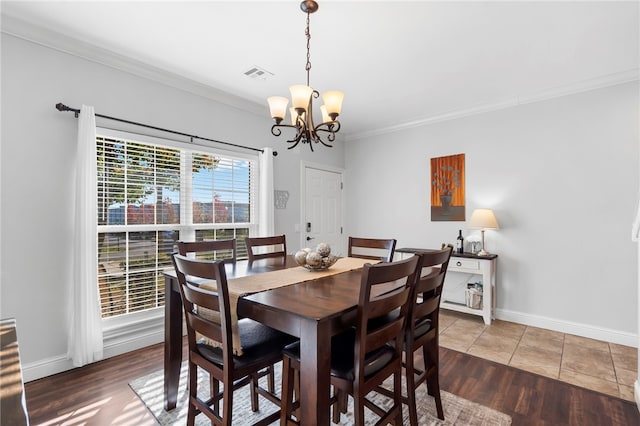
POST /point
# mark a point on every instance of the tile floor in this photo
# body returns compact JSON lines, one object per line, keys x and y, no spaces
{"x":605,"y":367}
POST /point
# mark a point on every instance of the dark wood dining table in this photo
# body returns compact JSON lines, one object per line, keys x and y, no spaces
{"x":312,"y":310}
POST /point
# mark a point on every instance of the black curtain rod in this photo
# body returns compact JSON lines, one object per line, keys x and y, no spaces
{"x":62,"y":107}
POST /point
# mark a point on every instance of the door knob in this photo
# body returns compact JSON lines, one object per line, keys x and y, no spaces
{"x":310,"y":238}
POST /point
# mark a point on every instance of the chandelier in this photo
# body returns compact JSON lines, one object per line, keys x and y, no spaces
{"x":302,"y":105}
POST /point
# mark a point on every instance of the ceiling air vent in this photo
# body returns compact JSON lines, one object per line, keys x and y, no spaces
{"x":257,"y":73}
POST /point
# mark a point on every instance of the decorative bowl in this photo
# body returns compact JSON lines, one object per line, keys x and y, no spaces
{"x":326,"y":263}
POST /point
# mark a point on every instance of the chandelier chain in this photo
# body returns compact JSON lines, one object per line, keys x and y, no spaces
{"x":307,"y":67}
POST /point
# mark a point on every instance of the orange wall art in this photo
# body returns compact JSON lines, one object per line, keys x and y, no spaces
{"x":447,"y":188}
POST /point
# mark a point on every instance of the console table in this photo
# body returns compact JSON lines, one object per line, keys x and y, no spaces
{"x":469,"y":263}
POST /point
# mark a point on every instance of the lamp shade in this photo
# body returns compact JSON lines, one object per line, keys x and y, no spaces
{"x":483,"y":219}
{"x":300,"y":96}
{"x":333,"y":101}
{"x":278,"y":106}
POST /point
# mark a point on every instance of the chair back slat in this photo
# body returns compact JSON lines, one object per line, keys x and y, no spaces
{"x":225,"y":250}
{"x":266,"y":247}
{"x":426,"y":306}
{"x":372,"y":248}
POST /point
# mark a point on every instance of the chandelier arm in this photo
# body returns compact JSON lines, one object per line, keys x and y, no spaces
{"x":275,"y":131}
{"x":330,"y":137}
{"x":331,"y":128}
{"x":303,"y":136}
{"x":295,"y":141}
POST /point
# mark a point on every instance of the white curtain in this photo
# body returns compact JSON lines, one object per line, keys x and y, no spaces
{"x":266,"y":206}
{"x":85,"y":333}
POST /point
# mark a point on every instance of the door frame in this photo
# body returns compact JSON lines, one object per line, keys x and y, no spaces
{"x":304,"y":165}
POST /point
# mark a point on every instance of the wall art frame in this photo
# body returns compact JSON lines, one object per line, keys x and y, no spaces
{"x":448,"y":188}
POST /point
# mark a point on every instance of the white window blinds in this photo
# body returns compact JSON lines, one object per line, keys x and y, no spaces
{"x":152,"y":195}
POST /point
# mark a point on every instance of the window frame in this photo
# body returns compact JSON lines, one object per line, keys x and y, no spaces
{"x":115,"y":326}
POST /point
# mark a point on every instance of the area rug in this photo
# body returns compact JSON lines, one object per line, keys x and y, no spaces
{"x":457,"y":411}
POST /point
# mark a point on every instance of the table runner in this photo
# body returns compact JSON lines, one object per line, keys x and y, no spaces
{"x":250,"y":284}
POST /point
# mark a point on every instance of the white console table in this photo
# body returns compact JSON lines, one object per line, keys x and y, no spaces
{"x":468,"y":263}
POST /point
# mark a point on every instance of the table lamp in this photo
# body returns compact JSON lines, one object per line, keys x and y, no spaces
{"x":483,"y":219}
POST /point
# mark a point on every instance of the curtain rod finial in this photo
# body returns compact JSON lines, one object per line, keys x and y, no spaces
{"x":62,"y":107}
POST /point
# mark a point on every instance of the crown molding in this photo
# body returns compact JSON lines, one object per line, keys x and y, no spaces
{"x":54,"y":40}
{"x":583,"y":86}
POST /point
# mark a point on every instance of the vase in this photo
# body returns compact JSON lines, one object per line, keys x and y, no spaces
{"x":445,"y":200}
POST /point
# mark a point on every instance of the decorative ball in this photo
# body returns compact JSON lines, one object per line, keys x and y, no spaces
{"x":323,"y":249}
{"x":328,"y":261}
{"x":301,"y":257}
{"x":314,"y":259}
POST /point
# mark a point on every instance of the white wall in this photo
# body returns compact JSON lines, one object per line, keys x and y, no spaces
{"x":566,"y":259}
{"x":37,"y":178}
{"x":562,"y":178}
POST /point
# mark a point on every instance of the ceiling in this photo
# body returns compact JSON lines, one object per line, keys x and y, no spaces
{"x":399,"y":63}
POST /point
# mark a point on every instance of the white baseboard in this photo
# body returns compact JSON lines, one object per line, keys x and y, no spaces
{"x":636,"y":393}
{"x":145,"y":333}
{"x":45,"y":367}
{"x":117,"y":341}
{"x":592,"y":332}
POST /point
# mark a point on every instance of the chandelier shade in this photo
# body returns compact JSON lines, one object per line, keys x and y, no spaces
{"x":301,"y":111}
{"x":278,"y":107}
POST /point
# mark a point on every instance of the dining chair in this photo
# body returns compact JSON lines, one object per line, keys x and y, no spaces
{"x":422,"y":330}
{"x":368,"y":353}
{"x":224,"y":250}
{"x":372,"y":248}
{"x":262,"y":346}
{"x":266,"y":247}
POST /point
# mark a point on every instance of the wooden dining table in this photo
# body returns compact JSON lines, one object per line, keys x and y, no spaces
{"x":313,"y":310}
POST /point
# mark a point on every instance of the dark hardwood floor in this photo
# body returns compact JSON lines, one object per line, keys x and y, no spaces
{"x":99,"y":394}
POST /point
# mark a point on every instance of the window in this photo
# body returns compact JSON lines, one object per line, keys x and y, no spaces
{"x":150,"y":195}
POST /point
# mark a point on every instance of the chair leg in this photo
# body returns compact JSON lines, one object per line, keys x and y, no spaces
{"x":271,"y":382}
{"x":431,"y":360}
{"x":193,"y":392}
{"x":341,"y":404}
{"x":411,"y":389}
{"x":397,"y":400}
{"x":227,"y":403}
{"x":253,"y":385}
{"x":295,"y":408}
{"x":358,"y":409}
{"x":287,"y":391}
{"x":433,"y":382}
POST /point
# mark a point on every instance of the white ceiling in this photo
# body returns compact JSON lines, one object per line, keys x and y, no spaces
{"x":399,"y":63}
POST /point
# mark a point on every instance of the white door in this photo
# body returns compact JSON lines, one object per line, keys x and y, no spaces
{"x":322,"y":216}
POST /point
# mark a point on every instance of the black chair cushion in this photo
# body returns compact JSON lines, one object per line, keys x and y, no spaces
{"x":342,"y":356}
{"x":260,"y":345}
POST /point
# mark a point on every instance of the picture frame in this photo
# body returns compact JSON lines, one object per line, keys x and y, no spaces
{"x":448,"y":188}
